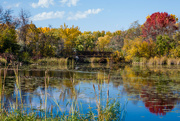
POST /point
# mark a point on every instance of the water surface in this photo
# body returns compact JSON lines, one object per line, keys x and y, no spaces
{"x":145,"y":93}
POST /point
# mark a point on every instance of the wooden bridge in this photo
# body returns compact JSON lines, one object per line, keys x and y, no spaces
{"x":92,"y":54}
{"x":84,"y":54}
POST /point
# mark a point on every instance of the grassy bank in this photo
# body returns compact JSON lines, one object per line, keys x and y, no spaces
{"x":53,"y":61}
{"x":156,"y":61}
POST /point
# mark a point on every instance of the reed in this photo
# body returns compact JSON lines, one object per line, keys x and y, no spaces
{"x":53,"y":61}
{"x":158,"y":61}
{"x":163,"y":60}
{"x":111,"y":111}
{"x":172,"y":61}
{"x":143,"y":61}
{"x":178,"y":61}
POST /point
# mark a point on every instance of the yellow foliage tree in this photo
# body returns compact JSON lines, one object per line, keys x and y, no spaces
{"x":103,"y":42}
{"x":118,"y":32}
{"x":69,"y":35}
{"x":44,"y":29}
{"x":109,"y":33}
{"x":138,"y":48}
{"x":32,"y":34}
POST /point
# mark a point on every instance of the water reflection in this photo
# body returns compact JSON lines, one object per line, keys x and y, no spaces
{"x":154,"y":86}
{"x":157,"y":88}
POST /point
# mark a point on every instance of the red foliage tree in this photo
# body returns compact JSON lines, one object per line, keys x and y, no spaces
{"x":159,"y":24}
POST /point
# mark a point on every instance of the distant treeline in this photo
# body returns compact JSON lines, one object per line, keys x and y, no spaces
{"x":21,"y":40}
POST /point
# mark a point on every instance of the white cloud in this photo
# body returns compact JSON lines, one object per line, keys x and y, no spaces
{"x":13,"y":5}
{"x":81,"y":15}
{"x":49,"y":15}
{"x":17,"y":5}
{"x":43,"y":3}
{"x":69,"y":2}
{"x":4,"y":2}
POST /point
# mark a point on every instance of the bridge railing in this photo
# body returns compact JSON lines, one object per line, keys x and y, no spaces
{"x":70,"y":53}
{"x":93,"y":53}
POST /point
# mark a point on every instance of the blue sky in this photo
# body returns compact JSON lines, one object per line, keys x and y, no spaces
{"x":91,"y":15}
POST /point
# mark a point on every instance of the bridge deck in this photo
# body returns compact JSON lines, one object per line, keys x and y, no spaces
{"x":93,"y":54}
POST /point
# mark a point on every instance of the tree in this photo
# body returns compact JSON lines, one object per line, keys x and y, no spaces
{"x":109,"y":33}
{"x":134,"y":31}
{"x":69,"y":35}
{"x":8,"y":41}
{"x":118,"y":32}
{"x":24,"y":26}
{"x":98,"y":34}
{"x":138,"y":48}
{"x":1,"y":15}
{"x":103,"y":42}
{"x":159,"y":24}
{"x":85,"y":42}
{"x":164,"y":44}
{"x":116,"y":42}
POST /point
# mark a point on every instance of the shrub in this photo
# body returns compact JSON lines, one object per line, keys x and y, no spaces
{"x":3,"y":61}
{"x":117,"y":56}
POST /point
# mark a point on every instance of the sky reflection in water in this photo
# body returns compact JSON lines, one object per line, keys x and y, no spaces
{"x":148,"y":93}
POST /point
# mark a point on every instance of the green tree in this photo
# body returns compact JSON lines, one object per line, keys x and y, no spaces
{"x":164,"y":44}
{"x":8,"y":41}
{"x":85,"y":42}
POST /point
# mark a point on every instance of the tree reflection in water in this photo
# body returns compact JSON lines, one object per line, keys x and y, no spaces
{"x":153,"y":87}
{"x":157,"y":88}
{"x":158,"y":103}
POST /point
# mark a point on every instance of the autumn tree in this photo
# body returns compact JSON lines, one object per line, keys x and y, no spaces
{"x":109,"y":33}
{"x":22,"y":29}
{"x":69,"y":35}
{"x":164,"y":44}
{"x":85,"y":42}
{"x":138,"y":48}
{"x":103,"y":42}
{"x":134,"y":31}
{"x":98,"y":34}
{"x":8,"y":43}
{"x":1,"y":15}
{"x":159,"y":24}
{"x":32,"y":39}
{"x":118,"y":32}
{"x":86,"y":32}
{"x":116,"y":43}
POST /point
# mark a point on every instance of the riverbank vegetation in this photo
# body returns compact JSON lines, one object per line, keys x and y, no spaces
{"x":157,"y":41}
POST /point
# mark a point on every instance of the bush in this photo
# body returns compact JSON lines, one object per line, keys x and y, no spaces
{"x":117,"y":56}
{"x":3,"y":61}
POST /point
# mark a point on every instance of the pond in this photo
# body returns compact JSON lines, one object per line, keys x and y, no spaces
{"x":145,"y":93}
